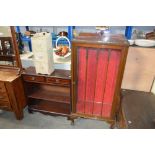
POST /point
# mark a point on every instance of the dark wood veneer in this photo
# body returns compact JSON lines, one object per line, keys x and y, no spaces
{"x":49,"y":107}
{"x":48,"y":94}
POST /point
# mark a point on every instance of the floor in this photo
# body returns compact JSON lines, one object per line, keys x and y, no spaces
{"x":40,"y":121}
{"x":139,"y":109}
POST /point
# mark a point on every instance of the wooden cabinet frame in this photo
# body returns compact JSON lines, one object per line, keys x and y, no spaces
{"x":116,"y":99}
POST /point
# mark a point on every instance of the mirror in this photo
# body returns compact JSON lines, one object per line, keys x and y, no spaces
{"x":8,"y":50}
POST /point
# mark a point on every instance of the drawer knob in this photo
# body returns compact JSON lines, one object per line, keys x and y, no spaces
{"x":57,"y":80}
{"x":33,"y":78}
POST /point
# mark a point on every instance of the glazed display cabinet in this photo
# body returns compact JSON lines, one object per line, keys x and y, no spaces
{"x":98,"y":63}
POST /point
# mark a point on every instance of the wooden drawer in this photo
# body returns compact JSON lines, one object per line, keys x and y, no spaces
{"x":4,"y":97}
{"x":33,"y":78}
{"x":57,"y":81}
{"x":2,"y":87}
{"x":5,"y":105}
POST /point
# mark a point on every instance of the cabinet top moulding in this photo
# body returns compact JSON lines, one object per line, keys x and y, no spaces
{"x":101,"y":41}
{"x":8,"y":75}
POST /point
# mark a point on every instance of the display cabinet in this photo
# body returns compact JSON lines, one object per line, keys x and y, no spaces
{"x":98,"y":63}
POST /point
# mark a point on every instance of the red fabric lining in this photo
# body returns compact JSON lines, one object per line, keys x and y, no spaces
{"x":91,"y":79}
{"x":111,"y":79}
{"x":95,"y":88}
{"x":81,"y":79}
{"x":80,"y":107}
{"x":100,"y":81}
{"x":106,"y":110}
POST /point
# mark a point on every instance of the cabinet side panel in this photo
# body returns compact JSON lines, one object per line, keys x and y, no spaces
{"x":114,"y":61}
{"x":100,"y":81}
{"x":81,"y":79}
{"x":90,"y":80}
{"x":19,"y":92}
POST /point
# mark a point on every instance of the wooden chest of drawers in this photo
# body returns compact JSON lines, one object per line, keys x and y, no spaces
{"x":4,"y":99}
{"x":12,"y":97}
{"x":48,"y":94}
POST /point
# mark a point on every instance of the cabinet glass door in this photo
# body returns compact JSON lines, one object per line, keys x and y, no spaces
{"x":96,"y":80}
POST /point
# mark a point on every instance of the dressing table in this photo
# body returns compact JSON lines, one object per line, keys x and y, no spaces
{"x":12,"y":96}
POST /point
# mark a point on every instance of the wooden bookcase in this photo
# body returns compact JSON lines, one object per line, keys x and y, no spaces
{"x":49,"y":94}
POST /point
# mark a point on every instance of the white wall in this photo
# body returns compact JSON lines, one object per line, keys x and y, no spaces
{"x":5,"y":31}
{"x":153,"y":87}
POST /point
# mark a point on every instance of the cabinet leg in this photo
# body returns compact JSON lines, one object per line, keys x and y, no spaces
{"x":19,"y":115}
{"x":30,"y":111}
{"x":72,"y":122}
{"x":112,"y":125}
{"x":72,"y":118}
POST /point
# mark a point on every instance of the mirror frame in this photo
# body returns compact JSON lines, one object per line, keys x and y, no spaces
{"x":16,"y":50}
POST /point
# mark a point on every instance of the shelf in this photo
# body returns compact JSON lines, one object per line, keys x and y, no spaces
{"x":49,"y":107}
{"x":59,"y":73}
{"x":50,"y":95}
